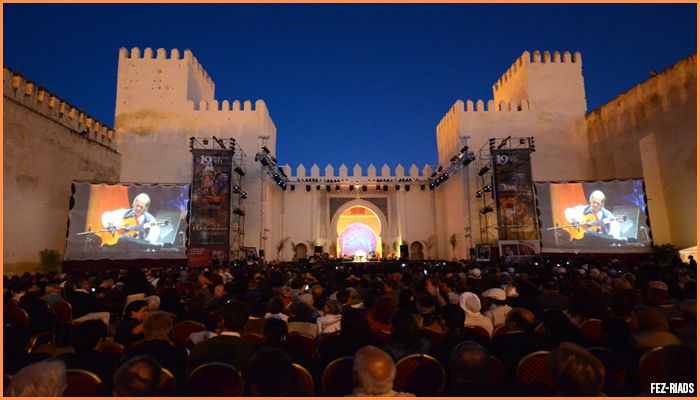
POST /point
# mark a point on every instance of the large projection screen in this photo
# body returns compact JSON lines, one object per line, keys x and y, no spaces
{"x":593,"y":217}
{"x":127,"y":221}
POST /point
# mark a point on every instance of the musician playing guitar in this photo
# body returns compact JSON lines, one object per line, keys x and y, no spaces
{"x":594,"y":217}
{"x":132,"y":226}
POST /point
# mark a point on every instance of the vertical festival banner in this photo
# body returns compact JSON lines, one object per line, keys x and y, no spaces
{"x":515,"y":205}
{"x":210,"y":213}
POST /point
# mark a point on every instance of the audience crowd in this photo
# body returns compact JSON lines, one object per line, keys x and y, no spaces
{"x":588,"y":321}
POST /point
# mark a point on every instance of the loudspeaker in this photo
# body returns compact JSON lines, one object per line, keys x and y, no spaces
{"x":404,"y":251}
{"x":629,"y":228}
{"x":168,"y":232}
{"x":261,"y":253}
{"x":318,"y":249}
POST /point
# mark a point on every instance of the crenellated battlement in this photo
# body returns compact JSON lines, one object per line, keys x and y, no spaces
{"x":225,"y":105}
{"x":40,"y":100}
{"x":368,"y":175}
{"x":162,"y":54}
{"x":537,"y":58}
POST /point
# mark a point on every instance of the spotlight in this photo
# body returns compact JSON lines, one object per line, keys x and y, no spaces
{"x":484,"y":170}
{"x":407,"y":187}
{"x":385,"y":187}
{"x":486,"y":210}
{"x":487,"y":189}
{"x":454,"y":158}
{"x":337,"y":188}
{"x":432,"y":186}
{"x":468,"y":159}
{"x":308,"y":188}
{"x":522,"y":141}
{"x":231,"y":144}
{"x":492,"y":144}
{"x":422,"y":187}
{"x":274,"y":160}
{"x":397,"y":187}
{"x":292,"y":187}
{"x":379,"y":187}
{"x":244,"y":195}
{"x":192,"y":143}
{"x":439,"y":168}
{"x":532,"y":144}
{"x":434,"y":174}
{"x":236,"y":189}
{"x":464,"y":149}
{"x":265,"y":149}
{"x":351,"y":188}
{"x":479,"y":194}
{"x":205,"y":142}
{"x":239,"y":171}
{"x":328,"y":188}
{"x":318,"y":187}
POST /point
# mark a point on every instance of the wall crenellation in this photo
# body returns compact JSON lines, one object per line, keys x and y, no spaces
{"x":38,"y":99}
{"x":363,"y":175}
{"x":161,"y":54}
{"x":226,"y":105}
{"x":537,"y":57}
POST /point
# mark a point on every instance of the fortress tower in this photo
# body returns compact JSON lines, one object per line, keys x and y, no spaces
{"x":542,"y":96}
{"x":163,"y":101}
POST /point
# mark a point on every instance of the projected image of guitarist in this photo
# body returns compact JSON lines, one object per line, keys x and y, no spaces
{"x":131,"y":227}
{"x":593,"y":220}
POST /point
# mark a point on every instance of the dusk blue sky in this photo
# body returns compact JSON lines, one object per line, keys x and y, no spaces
{"x":345,"y":83}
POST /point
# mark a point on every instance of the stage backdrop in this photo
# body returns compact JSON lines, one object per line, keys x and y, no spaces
{"x":514,"y":192}
{"x":96,"y":206}
{"x":567,"y":225}
{"x":210,"y":213}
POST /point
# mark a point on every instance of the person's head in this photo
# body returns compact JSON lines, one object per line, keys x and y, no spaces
{"x":42,"y":379}
{"x":575,"y":371}
{"x":689,"y":310}
{"x":153,"y":303}
{"x":275,"y":305}
{"x":404,"y":327}
{"x":470,"y":303}
{"x":234,"y":315}
{"x":333,"y":307}
{"x":270,"y":373}
{"x":139,"y":376}
{"x":649,"y":318}
{"x":140,"y":204}
{"x":374,"y":370}
{"x":158,"y":325}
{"x":86,"y":335}
{"x":453,"y":316}
{"x":343,"y":296}
{"x":383,"y":308}
{"x":84,"y":284}
{"x":596,"y":200}
{"x":137,"y":309}
{"x":469,"y":365}
{"x":274,"y":330}
{"x":219,"y":290}
{"x":521,"y":319}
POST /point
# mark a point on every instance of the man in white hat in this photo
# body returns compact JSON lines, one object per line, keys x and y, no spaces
{"x":471,"y":304}
{"x":499,"y":308}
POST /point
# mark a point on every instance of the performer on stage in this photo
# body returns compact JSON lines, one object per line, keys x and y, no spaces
{"x":133,"y":226}
{"x":594,"y":217}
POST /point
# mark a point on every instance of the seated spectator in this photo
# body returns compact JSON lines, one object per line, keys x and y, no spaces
{"x":130,"y":330}
{"x":426,"y":306}
{"x":551,"y":298}
{"x":330,"y":321}
{"x":270,"y":373}
{"x":453,"y":323}
{"x":170,"y":302}
{"x":53,"y":294}
{"x":407,"y":301}
{"x":153,"y":302}
{"x":302,"y":321}
{"x":575,"y":371}
{"x":84,"y":339}
{"x":520,"y":340}
{"x":499,"y":307}
{"x":471,"y":305}
{"x":274,"y":333}
{"x":689,"y":334}
{"x":354,"y":334}
{"x":275,"y":306}
{"x":374,"y":373}
{"x":653,"y":329}
{"x":406,"y":338}
{"x":561,"y":329}
{"x":157,"y":328}
{"x":40,"y":318}
{"x":82,"y":301}
{"x":42,"y":379}
{"x":587,"y":301}
{"x":140,"y":376}
{"x":227,"y":347}
{"x":217,"y":300}
{"x":468,"y":369}
{"x":379,"y":318}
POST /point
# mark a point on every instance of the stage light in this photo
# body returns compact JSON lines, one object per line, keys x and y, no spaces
{"x":522,"y":140}
{"x":422,"y":187}
{"x":532,"y":144}
{"x":328,"y":188}
{"x":454,"y":158}
{"x":292,"y":187}
{"x":236,"y":189}
{"x":274,"y":160}
{"x":468,"y":159}
{"x":439,"y":168}
{"x":239,"y":171}
{"x":432,"y":186}
{"x":385,"y":187}
{"x":192,"y":143}
{"x":244,"y":195}
{"x":318,"y":187}
{"x":265,"y":149}
{"x":434,"y":174}
{"x":205,"y":142}
{"x":407,"y":187}
{"x":337,"y":188}
{"x":487,"y":189}
{"x":231,"y":144}
{"x":484,"y":170}
{"x":464,"y":149}
{"x":308,"y":188}
{"x":492,"y":144}
{"x":378,"y":187}
{"x":479,"y":194}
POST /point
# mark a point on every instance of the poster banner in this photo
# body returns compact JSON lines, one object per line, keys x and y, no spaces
{"x":514,"y":195}
{"x":210,"y":213}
